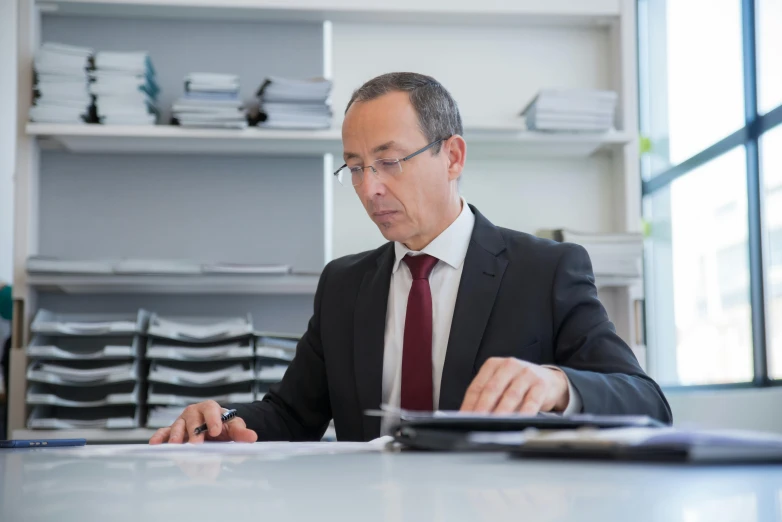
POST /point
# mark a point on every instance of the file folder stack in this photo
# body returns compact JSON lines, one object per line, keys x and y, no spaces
{"x":210,"y":100}
{"x":84,"y":370}
{"x":61,"y":84}
{"x":612,"y":255}
{"x":125,"y":88}
{"x":571,"y":110}
{"x":195,"y":359}
{"x":273,"y":353}
{"x":294,"y":104}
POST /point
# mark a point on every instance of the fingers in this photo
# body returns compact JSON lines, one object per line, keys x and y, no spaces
{"x":195,"y":415}
{"x":177,"y":435}
{"x":160,"y":436}
{"x":494,"y":389}
{"x":479,"y":382}
{"x":212,"y":412}
{"x":533,"y":401}
{"x":237,"y":431}
{"x":514,"y":396}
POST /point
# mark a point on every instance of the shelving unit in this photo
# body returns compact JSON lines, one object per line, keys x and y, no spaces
{"x":268,"y":196}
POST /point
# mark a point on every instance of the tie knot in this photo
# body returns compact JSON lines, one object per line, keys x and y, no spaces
{"x":420,"y":266}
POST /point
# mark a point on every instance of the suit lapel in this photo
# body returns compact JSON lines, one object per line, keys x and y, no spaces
{"x":481,"y":278}
{"x":369,"y":326}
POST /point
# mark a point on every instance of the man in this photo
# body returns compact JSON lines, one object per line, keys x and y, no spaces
{"x":452,"y":313}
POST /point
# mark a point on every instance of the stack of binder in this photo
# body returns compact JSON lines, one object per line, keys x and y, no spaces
{"x":210,"y":100}
{"x":195,"y":359}
{"x":612,"y":255}
{"x":571,"y":110}
{"x":61,"y":84}
{"x":125,"y":88}
{"x":84,"y":370}
{"x":294,"y":104}
{"x":273,"y":351}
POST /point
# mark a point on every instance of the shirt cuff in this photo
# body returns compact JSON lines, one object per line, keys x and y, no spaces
{"x":574,"y":404}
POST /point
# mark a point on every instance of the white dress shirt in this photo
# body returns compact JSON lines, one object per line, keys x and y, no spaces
{"x":450,"y":248}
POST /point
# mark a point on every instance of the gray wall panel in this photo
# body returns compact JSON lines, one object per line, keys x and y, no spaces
{"x":278,"y":313}
{"x":267,"y":210}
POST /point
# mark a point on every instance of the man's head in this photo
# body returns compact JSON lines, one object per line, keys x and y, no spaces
{"x":389,"y":118}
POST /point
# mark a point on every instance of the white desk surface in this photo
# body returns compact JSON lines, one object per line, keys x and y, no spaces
{"x":276,"y":483}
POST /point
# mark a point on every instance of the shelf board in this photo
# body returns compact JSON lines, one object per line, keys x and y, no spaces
{"x":587,"y":13}
{"x":184,"y":284}
{"x":483,"y":142}
{"x":616,"y":281}
{"x":92,"y":435}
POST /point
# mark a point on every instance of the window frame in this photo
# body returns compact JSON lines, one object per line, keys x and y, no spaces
{"x":755,"y":125}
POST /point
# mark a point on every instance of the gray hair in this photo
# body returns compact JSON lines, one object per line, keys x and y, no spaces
{"x":438,"y":114}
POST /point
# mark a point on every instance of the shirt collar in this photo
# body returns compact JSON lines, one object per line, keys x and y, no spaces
{"x":450,"y":246}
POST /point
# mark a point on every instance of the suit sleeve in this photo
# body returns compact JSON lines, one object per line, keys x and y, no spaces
{"x":598,"y":363}
{"x":298,"y":408}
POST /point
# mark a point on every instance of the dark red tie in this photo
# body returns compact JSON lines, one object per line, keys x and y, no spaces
{"x":417,"y":388}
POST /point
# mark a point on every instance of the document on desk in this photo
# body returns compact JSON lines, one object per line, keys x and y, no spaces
{"x":272,"y":450}
{"x":661,"y":444}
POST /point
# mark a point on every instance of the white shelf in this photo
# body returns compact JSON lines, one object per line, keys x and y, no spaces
{"x":93,"y":435}
{"x":152,"y":284}
{"x":209,"y":284}
{"x":496,"y":12}
{"x":484,"y":142}
{"x":616,"y":281}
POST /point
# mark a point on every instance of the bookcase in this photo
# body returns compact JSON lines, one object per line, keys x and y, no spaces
{"x":259,"y":195}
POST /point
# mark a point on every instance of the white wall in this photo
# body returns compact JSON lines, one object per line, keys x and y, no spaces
{"x":7,"y":132}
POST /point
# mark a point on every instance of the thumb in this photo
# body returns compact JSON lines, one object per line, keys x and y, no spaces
{"x":238,"y":432}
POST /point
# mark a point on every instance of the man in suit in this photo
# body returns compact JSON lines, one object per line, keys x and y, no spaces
{"x":452,"y":313}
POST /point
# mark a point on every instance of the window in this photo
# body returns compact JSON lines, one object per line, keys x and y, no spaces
{"x":771,"y":169}
{"x":711,"y":108}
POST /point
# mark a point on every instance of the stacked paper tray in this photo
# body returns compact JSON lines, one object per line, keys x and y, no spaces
{"x":273,"y":351}
{"x":193,"y":359}
{"x":84,"y":370}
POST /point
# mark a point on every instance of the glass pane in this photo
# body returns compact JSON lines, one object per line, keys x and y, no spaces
{"x":768,"y":16}
{"x":699,"y":326}
{"x":771,"y":167}
{"x":692,"y":91}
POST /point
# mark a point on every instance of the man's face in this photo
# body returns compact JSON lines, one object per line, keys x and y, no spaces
{"x":408,"y":206}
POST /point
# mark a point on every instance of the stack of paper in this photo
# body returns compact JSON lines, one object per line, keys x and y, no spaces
{"x":163,"y":416}
{"x":125,"y":88}
{"x":294,"y":104}
{"x":61,"y":84}
{"x":210,"y":100}
{"x":100,"y":417}
{"x":86,"y":366}
{"x":273,"y":351}
{"x":612,"y":255}
{"x":571,"y":110}
{"x":199,"y":358}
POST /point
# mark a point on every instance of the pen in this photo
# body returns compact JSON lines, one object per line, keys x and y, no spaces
{"x":228,"y":415}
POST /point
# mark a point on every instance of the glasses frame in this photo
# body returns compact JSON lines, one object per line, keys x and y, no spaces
{"x":372,"y":165}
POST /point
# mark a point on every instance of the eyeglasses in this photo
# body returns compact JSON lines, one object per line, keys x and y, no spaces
{"x":384,"y":167}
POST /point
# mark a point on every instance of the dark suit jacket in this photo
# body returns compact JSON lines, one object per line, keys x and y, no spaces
{"x":519,"y":296}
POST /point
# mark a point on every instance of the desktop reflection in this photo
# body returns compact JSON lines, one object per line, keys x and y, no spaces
{"x":278,"y":484}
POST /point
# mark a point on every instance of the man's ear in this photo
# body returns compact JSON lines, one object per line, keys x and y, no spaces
{"x":455,"y":149}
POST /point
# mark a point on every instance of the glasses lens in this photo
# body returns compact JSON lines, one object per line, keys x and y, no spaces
{"x":388,"y":167}
{"x":357,"y":176}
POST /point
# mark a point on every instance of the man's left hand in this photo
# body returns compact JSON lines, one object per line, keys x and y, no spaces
{"x":508,"y":385}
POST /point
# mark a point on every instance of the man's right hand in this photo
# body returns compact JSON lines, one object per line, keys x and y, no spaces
{"x":209,"y":413}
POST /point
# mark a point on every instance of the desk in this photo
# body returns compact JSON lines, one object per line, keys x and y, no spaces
{"x":64,"y":486}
